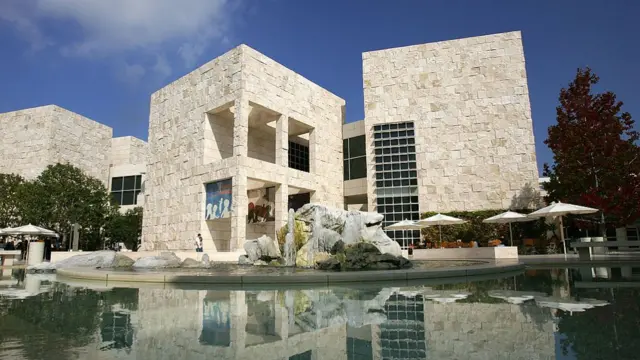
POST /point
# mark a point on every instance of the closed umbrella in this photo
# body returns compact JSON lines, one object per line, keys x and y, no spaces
{"x":440,"y":220}
{"x":560,"y":209}
{"x":508,"y":217}
{"x":405,"y":225}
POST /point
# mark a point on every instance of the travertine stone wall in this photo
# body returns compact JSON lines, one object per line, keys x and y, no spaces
{"x":127,"y":150}
{"x":180,"y":138}
{"x":470,"y":103}
{"x":37,"y":137}
{"x":488,"y":331}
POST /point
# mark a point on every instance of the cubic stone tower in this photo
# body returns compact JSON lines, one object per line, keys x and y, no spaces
{"x":37,"y":137}
{"x":454,"y":117}
{"x":242,"y":126}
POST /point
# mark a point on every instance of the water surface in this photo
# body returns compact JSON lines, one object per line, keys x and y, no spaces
{"x":540,"y":314}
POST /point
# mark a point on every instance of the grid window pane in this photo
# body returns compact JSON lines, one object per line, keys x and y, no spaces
{"x":116,"y":184}
{"x":129,"y":183}
{"x":396,"y":177}
{"x":116,"y":197}
{"x":128,"y":198}
{"x":139,"y":182}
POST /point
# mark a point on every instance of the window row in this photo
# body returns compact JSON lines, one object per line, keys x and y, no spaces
{"x":396,"y":175}
{"x":396,"y":150}
{"x":394,"y":142}
{"x":395,"y":158}
{"x":125,"y":197}
{"x":396,"y":166}
{"x":354,"y":147}
{"x":393,"y":134}
{"x":355,"y":168}
{"x":397,"y":200}
{"x":394,"y":126}
{"x":124,"y":183}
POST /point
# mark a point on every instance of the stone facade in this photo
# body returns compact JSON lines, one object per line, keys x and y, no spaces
{"x":233,"y":118}
{"x":469,"y":101}
{"x":489,"y":331}
{"x":34,"y":138}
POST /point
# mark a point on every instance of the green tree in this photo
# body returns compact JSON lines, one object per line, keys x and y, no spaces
{"x":63,"y":195}
{"x":125,"y":228}
{"x":10,"y":200}
{"x":595,"y":153}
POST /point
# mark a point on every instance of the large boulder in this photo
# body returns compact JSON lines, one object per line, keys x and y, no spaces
{"x":363,"y":256}
{"x":303,"y":259}
{"x":328,"y":225}
{"x":164,"y":260}
{"x":264,"y":248}
{"x":191,"y":263}
{"x":96,"y":259}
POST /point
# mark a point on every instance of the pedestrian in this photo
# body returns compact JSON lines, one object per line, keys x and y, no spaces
{"x":199,"y":247}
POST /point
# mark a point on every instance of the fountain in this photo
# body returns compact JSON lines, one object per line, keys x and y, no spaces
{"x":289,"y":245}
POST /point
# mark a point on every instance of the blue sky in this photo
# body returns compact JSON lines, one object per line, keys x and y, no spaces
{"x":103,"y":59}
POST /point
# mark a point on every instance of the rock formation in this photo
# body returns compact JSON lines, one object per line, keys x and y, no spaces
{"x":165,"y":260}
{"x":361,"y":256}
{"x":264,"y":249}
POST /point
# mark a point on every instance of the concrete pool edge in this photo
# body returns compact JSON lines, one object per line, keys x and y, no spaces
{"x":328,"y":278}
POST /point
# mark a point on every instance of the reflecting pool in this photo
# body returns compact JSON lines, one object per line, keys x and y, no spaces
{"x":539,"y":314}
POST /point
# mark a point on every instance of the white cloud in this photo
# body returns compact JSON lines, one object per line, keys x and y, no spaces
{"x":125,"y":27}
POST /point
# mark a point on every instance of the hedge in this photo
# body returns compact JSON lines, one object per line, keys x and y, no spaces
{"x":475,"y":230}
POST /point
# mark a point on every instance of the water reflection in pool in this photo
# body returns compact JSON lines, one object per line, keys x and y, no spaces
{"x":538,"y":315}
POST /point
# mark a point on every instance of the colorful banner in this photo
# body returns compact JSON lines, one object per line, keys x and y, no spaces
{"x":218,"y":199}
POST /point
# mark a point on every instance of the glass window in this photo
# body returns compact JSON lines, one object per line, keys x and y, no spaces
{"x":357,"y":146}
{"x":116,"y":184}
{"x":346,"y":170}
{"x":128,"y":198}
{"x":358,"y":168}
{"x":129,"y":183}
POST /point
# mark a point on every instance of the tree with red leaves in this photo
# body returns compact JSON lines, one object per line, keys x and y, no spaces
{"x":595,"y":152}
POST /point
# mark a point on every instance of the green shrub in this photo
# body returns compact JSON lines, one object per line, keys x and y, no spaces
{"x":475,"y":230}
{"x":299,"y":235}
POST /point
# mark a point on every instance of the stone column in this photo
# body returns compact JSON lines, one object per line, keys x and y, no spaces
{"x":282,"y":204}
{"x":241,"y":126}
{"x":238,"y":310}
{"x":239,"y":211}
{"x":313,"y":154}
{"x":282,"y":141}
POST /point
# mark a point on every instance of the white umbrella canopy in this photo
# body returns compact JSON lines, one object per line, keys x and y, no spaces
{"x":508,"y":217}
{"x":29,"y":230}
{"x":560,"y":209}
{"x":440,"y":220}
{"x":405,"y":225}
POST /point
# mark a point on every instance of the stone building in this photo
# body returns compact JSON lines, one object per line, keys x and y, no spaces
{"x":447,"y":128}
{"x":233,"y":145}
{"x":238,"y":141}
{"x":32,"y":139}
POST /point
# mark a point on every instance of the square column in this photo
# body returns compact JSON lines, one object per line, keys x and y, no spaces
{"x":239,"y":211}
{"x":282,"y":141}
{"x":281,"y":212}
{"x":241,"y":127}
{"x":313,"y":154}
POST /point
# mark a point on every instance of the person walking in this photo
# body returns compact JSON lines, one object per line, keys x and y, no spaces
{"x":199,"y":247}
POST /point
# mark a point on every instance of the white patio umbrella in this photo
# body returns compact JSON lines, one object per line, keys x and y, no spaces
{"x":440,"y":220}
{"x":508,"y":217}
{"x":29,"y":230}
{"x":560,"y":209}
{"x":405,"y":225}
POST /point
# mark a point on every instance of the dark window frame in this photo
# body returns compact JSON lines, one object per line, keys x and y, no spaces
{"x":125,"y":196}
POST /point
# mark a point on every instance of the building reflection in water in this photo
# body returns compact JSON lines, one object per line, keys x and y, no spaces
{"x":511,"y":318}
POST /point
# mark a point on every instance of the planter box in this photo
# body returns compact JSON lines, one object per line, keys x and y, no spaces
{"x":493,"y":253}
